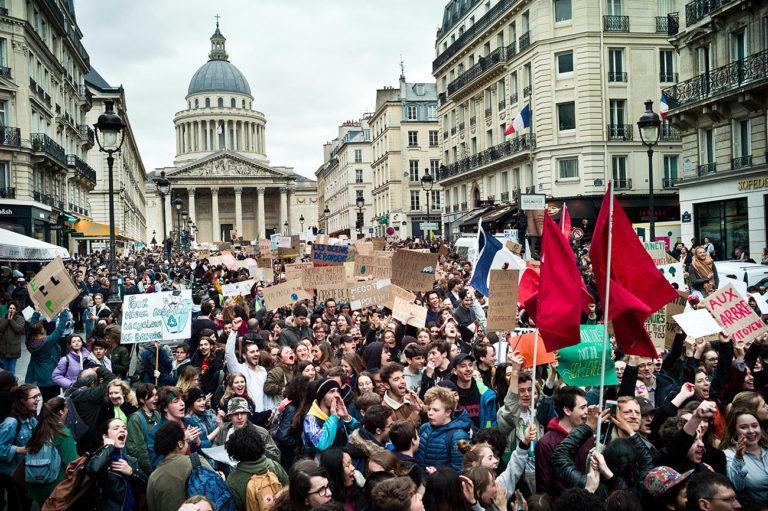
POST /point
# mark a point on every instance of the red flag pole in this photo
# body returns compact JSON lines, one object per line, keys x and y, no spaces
{"x":533,"y":376}
{"x":605,"y":306}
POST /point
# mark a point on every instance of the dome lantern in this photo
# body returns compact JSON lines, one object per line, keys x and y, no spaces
{"x":218,"y":44}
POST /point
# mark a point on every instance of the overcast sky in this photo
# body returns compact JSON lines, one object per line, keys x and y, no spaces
{"x":311,"y":64}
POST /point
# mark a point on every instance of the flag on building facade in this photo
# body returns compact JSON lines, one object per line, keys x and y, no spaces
{"x":520,"y":122}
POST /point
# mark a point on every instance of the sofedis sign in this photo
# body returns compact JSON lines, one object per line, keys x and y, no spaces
{"x":535,"y":201}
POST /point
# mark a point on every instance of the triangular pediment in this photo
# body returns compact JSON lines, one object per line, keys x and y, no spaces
{"x":225,"y":164}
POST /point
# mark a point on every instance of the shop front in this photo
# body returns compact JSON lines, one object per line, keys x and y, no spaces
{"x":30,"y":221}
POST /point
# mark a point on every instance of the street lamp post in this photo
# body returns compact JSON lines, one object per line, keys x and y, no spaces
{"x":163,"y":187}
{"x":154,"y":241}
{"x":285,"y":228}
{"x":184,"y":216}
{"x":177,"y":206}
{"x":427,"y":183}
{"x":326,"y":213}
{"x":360,"y":203}
{"x":301,"y":222}
{"x":649,"y":125}
{"x":109,"y":132}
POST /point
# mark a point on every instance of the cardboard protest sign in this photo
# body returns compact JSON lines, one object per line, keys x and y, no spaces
{"x":323,"y":277}
{"x":164,"y":317}
{"x":735,"y":315}
{"x":364,"y":248}
{"x":284,"y":294}
{"x":657,"y":250}
{"x":287,"y":253}
{"x":379,"y":243}
{"x":502,"y":304}
{"x":514,"y":247}
{"x":293,"y":270}
{"x":282,"y":241}
{"x":51,"y":289}
{"x":673,"y":308}
{"x":262,"y":274}
{"x":339,"y":295}
{"x":656,"y":326}
{"x":524,"y":344}
{"x":214,"y":261}
{"x":373,"y":266}
{"x":264,"y":262}
{"x":674,"y":273}
{"x":409,"y":313}
{"x":740,"y":285}
{"x":228,"y":260}
{"x":443,"y":250}
{"x":369,"y":293}
{"x":415,"y":270}
{"x":762,"y":304}
{"x":396,"y":291}
{"x":326,"y":255}
{"x":581,"y":364}
{"x":296,"y":242}
{"x":698,"y":323}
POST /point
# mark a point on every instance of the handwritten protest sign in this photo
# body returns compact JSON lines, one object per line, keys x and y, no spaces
{"x":287,"y":253}
{"x":373,"y":266}
{"x":674,"y":273}
{"x":409,"y":313}
{"x":238,"y":288}
{"x":293,"y":270}
{"x":673,"y":308}
{"x":262,"y":274}
{"x":502,"y":305}
{"x":326,"y":255}
{"x":524,"y":343}
{"x":656,"y":326}
{"x":364,"y":248}
{"x":51,"y":289}
{"x":164,"y":317}
{"x":369,"y":293}
{"x":337,"y":295}
{"x":398,"y":292}
{"x":735,"y":315}
{"x":415,"y":270}
{"x":581,"y":364}
{"x":698,"y":323}
{"x":323,"y":277}
{"x":284,"y":294}
{"x":281,"y":241}
{"x":379,"y":243}
{"x":657,"y":251}
{"x":228,"y":260}
{"x":264,"y":262}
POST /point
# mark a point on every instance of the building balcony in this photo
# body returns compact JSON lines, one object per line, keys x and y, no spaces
{"x":662,"y":24}
{"x":453,"y":130}
{"x":622,"y":184}
{"x":669,"y":182}
{"x":43,"y":198}
{"x":504,"y":196}
{"x":10,"y":137}
{"x":502,"y":105}
{"x":473,"y":120}
{"x":5,"y":72}
{"x":445,"y":135}
{"x":706,"y":169}
{"x":441,"y":98}
{"x":673,"y":24}
{"x":491,"y":155}
{"x":615,"y":23}
{"x":8,"y":192}
{"x":617,"y":76}
{"x":513,"y":99}
{"x":3,"y":11}
{"x":524,"y":41}
{"x":463,"y":206}
{"x":668,"y":77}
{"x":527,"y":91}
{"x":530,"y":189}
{"x":668,"y":133}
{"x":738,"y":75}
{"x":461,"y":126}
{"x":86,"y":134}
{"x":455,"y":208}
{"x":695,"y":11}
{"x":742,"y":162}
{"x":484,"y":65}
{"x":511,"y":49}
{"x":42,"y":143}
{"x":81,"y":167}
{"x":488,"y":112}
{"x":619,"y":132}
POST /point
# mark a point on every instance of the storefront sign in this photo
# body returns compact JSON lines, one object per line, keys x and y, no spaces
{"x":535,"y":201}
{"x":753,"y":184}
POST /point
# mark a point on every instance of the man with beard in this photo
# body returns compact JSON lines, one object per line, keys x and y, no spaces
{"x":404,"y":403}
{"x":255,"y":375}
{"x":327,"y":423}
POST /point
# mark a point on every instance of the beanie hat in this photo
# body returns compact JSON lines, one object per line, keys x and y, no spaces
{"x":193,"y":394}
{"x":662,"y":479}
{"x":324,"y":387}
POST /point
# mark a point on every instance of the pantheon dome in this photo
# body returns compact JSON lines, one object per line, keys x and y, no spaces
{"x":218,"y":74}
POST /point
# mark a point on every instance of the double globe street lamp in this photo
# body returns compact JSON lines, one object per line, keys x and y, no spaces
{"x":163,"y":187}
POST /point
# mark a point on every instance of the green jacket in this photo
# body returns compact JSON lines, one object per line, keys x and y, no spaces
{"x":121,"y":361}
{"x":237,"y":482}
{"x":272,"y":451}
{"x":167,"y":486}
{"x":65,"y":444}
{"x":138,"y":428}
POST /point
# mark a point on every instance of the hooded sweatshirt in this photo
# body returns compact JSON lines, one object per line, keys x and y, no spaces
{"x":372,"y":355}
{"x":322,"y":431}
{"x":545,"y":448}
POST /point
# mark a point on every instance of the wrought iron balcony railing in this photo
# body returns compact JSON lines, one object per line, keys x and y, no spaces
{"x":513,"y":99}
{"x":473,"y":120}
{"x":669,"y":182}
{"x":455,"y":208}
{"x":8,"y":192}
{"x":504,"y":196}
{"x":741,"y":162}
{"x":617,"y":76}
{"x":620,"y":132}
{"x":525,"y":41}
{"x":612,"y":23}
{"x":44,"y":144}
{"x":490,"y":155}
{"x":695,"y":11}
{"x":530,"y":189}
{"x":488,"y":112}
{"x":10,"y":136}
{"x":673,"y":24}
{"x":622,"y":184}
{"x":662,"y":24}
{"x":461,"y":126}
{"x":706,"y":169}
{"x":463,"y":206}
{"x":527,"y":91}
{"x":81,"y":167}
{"x":5,"y":72}
{"x":483,"y":65}
{"x":511,"y":49}
{"x":669,"y":134}
{"x":502,"y":105}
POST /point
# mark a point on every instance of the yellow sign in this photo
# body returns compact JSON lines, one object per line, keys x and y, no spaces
{"x":753,"y":184}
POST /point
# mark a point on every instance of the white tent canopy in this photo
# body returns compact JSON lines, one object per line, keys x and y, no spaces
{"x":17,"y":247}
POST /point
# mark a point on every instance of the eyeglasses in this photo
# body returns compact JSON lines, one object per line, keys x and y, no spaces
{"x":35,"y":397}
{"x":323,"y":490}
{"x":731,"y":500}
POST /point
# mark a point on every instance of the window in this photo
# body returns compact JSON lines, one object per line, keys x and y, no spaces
{"x":489,"y":139}
{"x":564,"y":62}
{"x":670,"y":169}
{"x":243,"y":103}
{"x":435,"y":198}
{"x":197,"y":104}
{"x":359,"y":195}
{"x":500,"y":40}
{"x":233,"y":103}
{"x":3,"y":112}
{"x":488,"y":101}
{"x":413,"y":138}
{"x":473,"y":145}
{"x":666,"y":66}
{"x":415,"y":204}
{"x":568,"y":168}
{"x":411,"y":113}
{"x":707,"y":146}
{"x":616,"y":65}
{"x":5,"y":175}
{"x":432,"y":112}
{"x":614,"y":7}
{"x":434,"y":167}
{"x":358,"y":156}
{"x":566,"y":116}
{"x":741,"y":139}
{"x":358,"y":175}
{"x":3,"y":48}
{"x":221,"y":102}
{"x":433,"y":138}
{"x":516,"y":178}
{"x":413,"y":170}
{"x":619,"y":167}
{"x":562,"y":10}
{"x":617,"y":111}
{"x":207,"y":102}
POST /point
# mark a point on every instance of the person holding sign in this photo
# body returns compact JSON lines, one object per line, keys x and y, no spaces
{"x":45,"y":352}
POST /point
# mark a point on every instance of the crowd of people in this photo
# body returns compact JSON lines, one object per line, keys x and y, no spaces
{"x":319,"y":406}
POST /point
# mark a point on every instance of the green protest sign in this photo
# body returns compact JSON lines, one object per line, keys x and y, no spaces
{"x":580,"y":365}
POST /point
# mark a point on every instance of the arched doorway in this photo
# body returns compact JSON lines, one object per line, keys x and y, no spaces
{"x":476,"y":197}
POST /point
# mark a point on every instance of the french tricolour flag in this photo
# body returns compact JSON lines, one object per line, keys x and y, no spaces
{"x":664,"y":112}
{"x":522,"y":121}
{"x":492,"y":255}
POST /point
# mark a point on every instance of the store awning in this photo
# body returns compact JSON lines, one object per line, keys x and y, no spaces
{"x":469,"y":224}
{"x":17,"y":247}
{"x":91,"y":229}
{"x":498,"y":213}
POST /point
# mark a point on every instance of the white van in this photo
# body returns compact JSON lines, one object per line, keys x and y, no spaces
{"x":466,"y":246}
{"x":751,"y":273}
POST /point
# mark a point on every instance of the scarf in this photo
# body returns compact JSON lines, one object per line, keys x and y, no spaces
{"x":704,"y":268}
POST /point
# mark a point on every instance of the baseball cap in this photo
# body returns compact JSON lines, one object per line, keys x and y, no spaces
{"x":448,"y":384}
{"x":461,"y":357}
{"x":662,"y":479}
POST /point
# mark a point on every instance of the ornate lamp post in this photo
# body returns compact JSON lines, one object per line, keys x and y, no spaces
{"x":301,"y":222}
{"x":163,"y":187}
{"x":326,"y":213}
{"x":427,"y":183}
{"x":360,"y":203}
{"x":109,"y":132}
{"x":649,"y":125}
{"x":177,"y":206}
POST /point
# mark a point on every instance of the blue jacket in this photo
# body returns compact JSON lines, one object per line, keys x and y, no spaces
{"x":148,"y":367}
{"x":155,"y":458}
{"x":45,"y":353}
{"x":434,"y":450}
{"x":9,"y":440}
{"x":487,"y":406}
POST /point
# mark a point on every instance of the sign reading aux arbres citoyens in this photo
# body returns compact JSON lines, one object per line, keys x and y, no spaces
{"x":160,"y":317}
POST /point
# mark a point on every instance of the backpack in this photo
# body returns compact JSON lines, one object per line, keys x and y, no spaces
{"x":261,"y":491}
{"x":71,"y":489}
{"x":42,"y":466}
{"x":206,"y":482}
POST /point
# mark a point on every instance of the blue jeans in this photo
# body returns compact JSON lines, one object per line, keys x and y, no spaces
{"x":9,"y":364}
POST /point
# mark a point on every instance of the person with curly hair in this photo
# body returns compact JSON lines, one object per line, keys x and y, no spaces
{"x":248,"y":449}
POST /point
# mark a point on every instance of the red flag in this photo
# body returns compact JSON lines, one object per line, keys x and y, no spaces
{"x":565,"y":223}
{"x":638,"y":289}
{"x":529,"y":284}
{"x":556,"y":313}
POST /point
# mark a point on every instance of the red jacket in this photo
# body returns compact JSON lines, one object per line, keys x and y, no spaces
{"x":545,"y":448}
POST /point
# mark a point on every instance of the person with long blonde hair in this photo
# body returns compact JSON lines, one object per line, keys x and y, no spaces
{"x":188,"y":378}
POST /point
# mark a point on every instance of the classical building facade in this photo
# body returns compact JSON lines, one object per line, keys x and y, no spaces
{"x":720,"y":106}
{"x":129,"y":175}
{"x":585,"y":69}
{"x":44,"y":138}
{"x":221,"y":171}
{"x":346,"y":176}
{"x":406,"y":145}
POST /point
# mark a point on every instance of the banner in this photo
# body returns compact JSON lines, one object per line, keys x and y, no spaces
{"x":580,"y":365}
{"x":228,"y":260}
{"x":373,"y":266}
{"x":657,"y":250}
{"x":326,"y":255}
{"x":164,"y":317}
{"x":284,"y":294}
{"x":734,"y":314}
{"x":415,"y":270}
{"x":323,"y":277}
{"x":370,"y":293}
{"x":502,"y":304}
{"x":674,"y":273}
{"x":51,"y":289}
{"x":409,"y":313}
